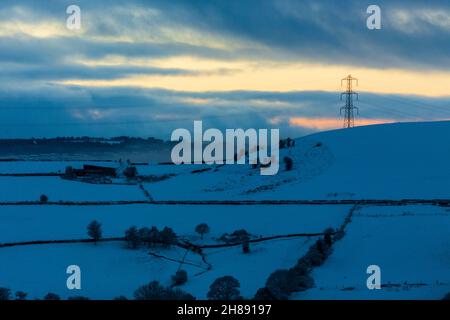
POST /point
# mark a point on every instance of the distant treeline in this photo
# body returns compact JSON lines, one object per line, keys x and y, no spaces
{"x":83,"y":139}
{"x":86,"y":147}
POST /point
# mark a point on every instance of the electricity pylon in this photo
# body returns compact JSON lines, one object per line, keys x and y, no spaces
{"x":349,"y":119}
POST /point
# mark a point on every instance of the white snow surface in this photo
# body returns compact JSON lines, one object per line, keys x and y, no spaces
{"x":394,"y":161}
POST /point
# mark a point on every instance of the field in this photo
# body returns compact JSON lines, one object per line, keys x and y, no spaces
{"x":410,"y":243}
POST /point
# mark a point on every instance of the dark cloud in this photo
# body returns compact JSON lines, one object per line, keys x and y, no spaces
{"x":59,"y":111}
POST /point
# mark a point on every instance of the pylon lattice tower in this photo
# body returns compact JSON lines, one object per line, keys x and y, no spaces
{"x":349,"y":108}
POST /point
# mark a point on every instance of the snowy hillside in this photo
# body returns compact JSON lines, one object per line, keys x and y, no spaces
{"x":391,"y":161}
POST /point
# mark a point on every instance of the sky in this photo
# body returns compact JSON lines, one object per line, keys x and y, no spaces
{"x":145,"y":68}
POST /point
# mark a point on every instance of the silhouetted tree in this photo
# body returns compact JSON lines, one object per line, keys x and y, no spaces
{"x":168,"y":237}
{"x":328,"y":237}
{"x":5,"y":294}
{"x":95,"y":231}
{"x":144,"y":234}
{"x":154,"y":236}
{"x":130,"y":172}
{"x":201,"y":229}
{"x":288,"y":163}
{"x":78,"y":298}
{"x":52,"y":296}
{"x":224,"y":288}
{"x":246,"y":246}
{"x":179,"y":278}
{"x":20,"y":295}
{"x":155,"y":291}
{"x":132,"y":237}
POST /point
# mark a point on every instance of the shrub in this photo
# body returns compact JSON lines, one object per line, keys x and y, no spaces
{"x":168,"y":237}
{"x":95,"y":231}
{"x":52,"y":296}
{"x":301,"y":281}
{"x":144,"y":234}
{"x":130,"y":172}
{"x":20,"y":295}
{"x":246,"y":246}
{"x":155,"y":291}
{"x":328,"y":237}
{"x":120,"y":298}
{"x":201,"y":229}
{"x":68,"y":173}
{"x":151,"y":291}
{"x":446,"y":297}
{"x":224,"y":288}
{"x":78,"y":298}
{"x":154,"y":236}
{"x":132,"y":237}
{"x":280,"y":285}
{"x":5,"y":294}
{"x":179,"y":278}
{"x":178,"y":294}
{"x":288,"y":163}
{"x":43,"y":198}
{"x":264,"y":294}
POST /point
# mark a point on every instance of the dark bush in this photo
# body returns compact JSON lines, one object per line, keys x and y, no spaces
{"x":328,"y":237}
{"x":78,"y":298}
{"x":20,"y":295}
{"x":130,"y":172}
{"x":52,"y":296}
{"x":43,"y":198}
{"x":224,"y":288}
{"x":201,"y":229}
{"x":144,"y":235}
{"x":155,"y":291}
{"x":168,"y":237}
{"x":5,"y":294}
{"x":280,"y":284}
{"x":69,"y":173}
{"x":132,"y":237}
{"x":288,"y":163}
{"x":264,"y":294}
{"x":95,"y":230}
{"x":246,"y":246}
{"x":446,"y":297}
{"x":178,"y":294}
{"x":179,"y":278}
{"x":154,"y":236}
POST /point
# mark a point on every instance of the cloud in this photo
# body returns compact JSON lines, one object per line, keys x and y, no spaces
{"x":144,"y":68}
{"x":321,"y":124}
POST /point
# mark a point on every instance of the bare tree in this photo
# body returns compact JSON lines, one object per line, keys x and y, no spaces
{"x":95,"y":231}
{"x":201,"y":229}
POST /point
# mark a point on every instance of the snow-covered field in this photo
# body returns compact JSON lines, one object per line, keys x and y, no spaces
{"x":26,"y":223}
{"x":110,"y":269}
{"x":397,"y":161}
{"x":410,"y":244}
{"x":57,"y":189}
